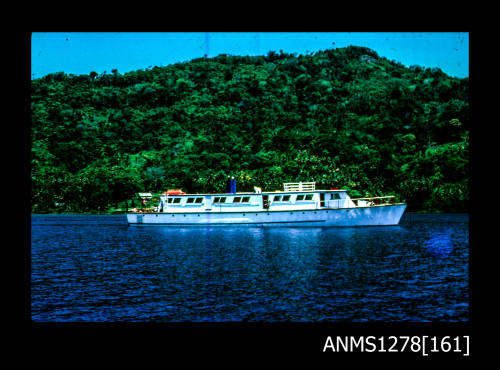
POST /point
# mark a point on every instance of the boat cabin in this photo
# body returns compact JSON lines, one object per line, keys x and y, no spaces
{"x":296,"y":196}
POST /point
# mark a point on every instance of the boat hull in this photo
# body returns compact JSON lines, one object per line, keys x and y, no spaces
{"x":358,"y":216}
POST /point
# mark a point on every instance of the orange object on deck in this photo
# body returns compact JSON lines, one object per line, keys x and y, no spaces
{"x":174,"y":192}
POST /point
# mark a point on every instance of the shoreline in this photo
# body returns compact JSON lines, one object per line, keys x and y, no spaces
{"x":124,"y":213}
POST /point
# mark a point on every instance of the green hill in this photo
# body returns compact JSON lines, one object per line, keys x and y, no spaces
{"x":345,"y":118}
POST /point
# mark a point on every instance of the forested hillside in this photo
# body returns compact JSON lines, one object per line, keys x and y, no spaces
{"x":345,"y":118}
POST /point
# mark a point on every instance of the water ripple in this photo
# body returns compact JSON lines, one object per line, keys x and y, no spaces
{"x":96,"y":268}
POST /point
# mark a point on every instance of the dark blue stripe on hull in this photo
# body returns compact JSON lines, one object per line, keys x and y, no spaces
{"x":225,"y":223}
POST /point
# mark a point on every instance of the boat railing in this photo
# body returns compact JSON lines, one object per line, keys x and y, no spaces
{"x":300,"y":186}
{"x":142,"y":210}
{"x":374,"y":201}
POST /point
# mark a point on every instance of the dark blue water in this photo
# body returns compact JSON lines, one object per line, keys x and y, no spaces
{"x":97,"y":268}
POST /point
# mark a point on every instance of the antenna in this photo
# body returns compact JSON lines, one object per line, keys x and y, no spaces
{"x":207,"y":44}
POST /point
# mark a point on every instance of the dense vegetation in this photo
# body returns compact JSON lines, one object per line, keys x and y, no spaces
{"x":345,"y":118}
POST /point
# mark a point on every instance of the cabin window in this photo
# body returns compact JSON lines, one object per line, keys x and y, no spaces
{"x":190,"y":200}
{"x":277,"y":198}
{"x":219,"y":199}
{"x":170,"y":200}
{"x":334,"y":196}
{"x":177,"y":200}
{"x":309,"y":197}
{"x":286,"y":198}
{"x":199,"y":200}
{"x":245,"y":200}
{"x":236,"y":199}
{"x":300,"y":197}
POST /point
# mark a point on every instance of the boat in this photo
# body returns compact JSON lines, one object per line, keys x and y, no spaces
{"x":299,"y":204}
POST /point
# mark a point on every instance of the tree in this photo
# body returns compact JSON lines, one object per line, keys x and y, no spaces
{"x":343,"y":117}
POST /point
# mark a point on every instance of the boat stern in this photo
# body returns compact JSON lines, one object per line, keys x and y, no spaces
{"x":135,"y":218}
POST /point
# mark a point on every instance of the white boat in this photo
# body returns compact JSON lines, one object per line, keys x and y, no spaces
{"x":300,"y":204}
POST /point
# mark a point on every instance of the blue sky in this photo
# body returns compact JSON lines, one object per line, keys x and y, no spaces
{"x":83,"y":52}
